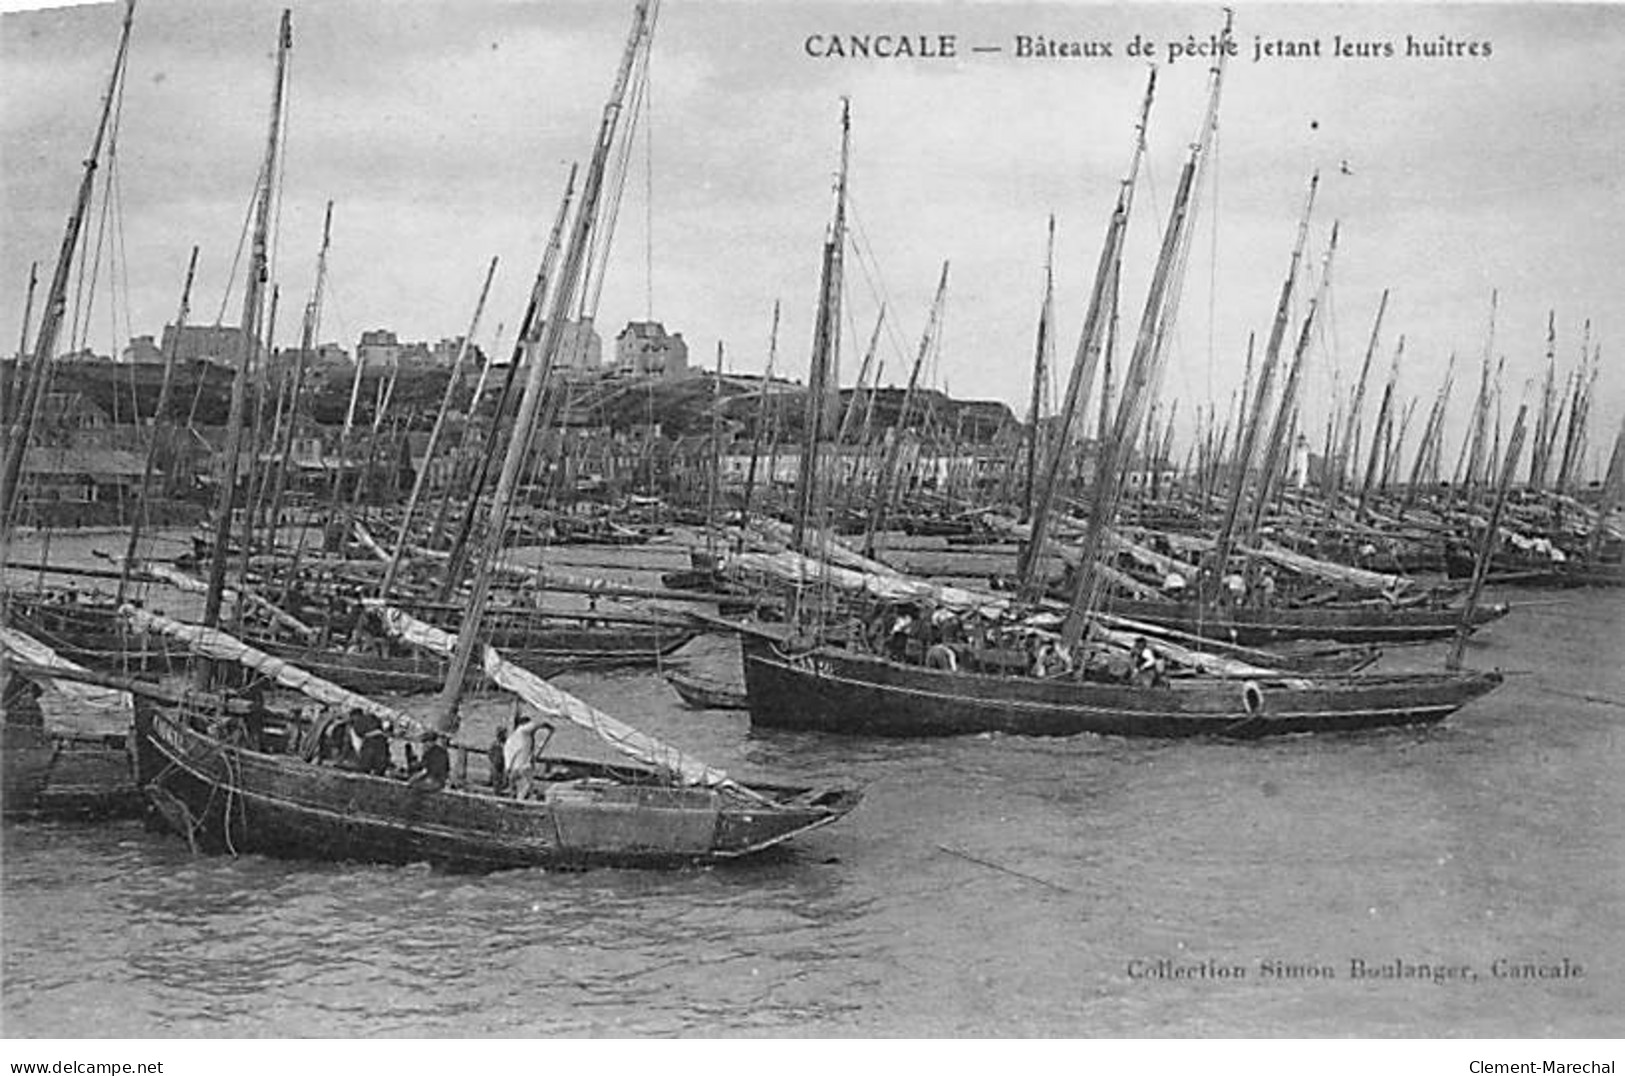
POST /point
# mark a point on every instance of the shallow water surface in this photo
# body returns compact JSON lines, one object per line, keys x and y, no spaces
{"x":986,"y":886}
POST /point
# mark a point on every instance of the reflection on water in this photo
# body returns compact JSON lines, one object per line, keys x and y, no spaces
{"x":988,"y":885}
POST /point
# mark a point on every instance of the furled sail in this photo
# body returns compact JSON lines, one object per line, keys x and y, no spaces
{"x":26,"y":648}
{"x":217,"y":645}
{"x":799,"y":569}
{"x":802,"y":570}
{"x":552,"y":702}
{"x":181,"y":581}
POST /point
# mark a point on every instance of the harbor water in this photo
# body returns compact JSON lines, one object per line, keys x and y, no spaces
{"x":1464,"y":880}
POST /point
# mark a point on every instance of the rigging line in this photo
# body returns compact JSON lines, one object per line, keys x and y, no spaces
{"x":280,"y":187}
{"x":332,"y":309}
{"x":237,"y":257}
{"x":648,"y":192}
{"x":82,"y":260}
{"x":1213,"y":261}
{"x":85,"y":297}
{"x":86,"y":293}
{"x":113,"y":252}
{"x":122,"y":292}
{"x":877,"y":284}
{"x":112,"y":218}
{"x":603,"y":230}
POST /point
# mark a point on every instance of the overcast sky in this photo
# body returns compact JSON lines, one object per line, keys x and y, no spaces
{"x":443,"y":131}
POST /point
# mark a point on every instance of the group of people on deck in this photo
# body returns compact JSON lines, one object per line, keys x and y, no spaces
{"x":941,"y":639}
{"x":358,"y":740}
{"x":1234,"y":591}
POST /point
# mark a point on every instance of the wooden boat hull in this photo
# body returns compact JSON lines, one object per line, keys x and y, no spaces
{"x":1257,"y":627}
{"x":55,"y":776}
{"x":831,"y":691}
{"x":411,"y":674}
{"x":94,"y":636}
{"x":568,"y":641}
{"x":228,"y":798}
{"x":707,"y":694}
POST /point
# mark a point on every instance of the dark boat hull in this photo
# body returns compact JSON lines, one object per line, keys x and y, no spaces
{"x":397,"y":674}
{"x":829,"y":691}
{"x":94,"y":636}
{"x":1258,"y":627}
{"x":553,"y":640}
{"x":228,"y":798}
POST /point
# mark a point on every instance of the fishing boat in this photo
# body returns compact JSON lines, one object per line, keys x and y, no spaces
{"x":232,"y":774}
{"x":47,"y":771}
{"x":585,"y":640}
{"x":234,"y":777}
{"x":54,"y":772}
{"x":705,"y":693}
{"x":1374,"y":623}
{"x":82,"y":627}
{"x":829,"y":690}
{"x":405,"y":673}
{"x":227,"y":797}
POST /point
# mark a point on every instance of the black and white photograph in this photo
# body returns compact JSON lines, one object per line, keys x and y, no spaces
{"x":751,"y":519}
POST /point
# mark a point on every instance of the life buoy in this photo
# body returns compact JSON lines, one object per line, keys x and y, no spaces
{"x":1252,"y":697}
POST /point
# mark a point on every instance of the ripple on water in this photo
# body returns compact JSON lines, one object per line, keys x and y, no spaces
{"x":987,"y":885}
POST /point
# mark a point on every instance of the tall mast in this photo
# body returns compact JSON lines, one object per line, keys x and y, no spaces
{"x":307,"y":340}
{"x":56,"y":297}
{"x":1347,"y":446}
{"x":1275,"y":453}
{"x":524,"y":344}
{"x":444,"y":716}
{"x":712,"y":487}
{"x":253,"y":294}
{"x":1540,"y":448}
{"x":253,"y":483}
{"x":826,"y":341}
{"x":1144,"y":367}
{"x":1612,"y":488}
{"x":886,"y":478}
{"x":434,"y":436}
{"x":1392,"y":454}
{"x":761,"y":423}
{"x":1248,"y":434}
{"x":849,"y":413}
{"x":13,"y":384}
{"x":1574,"y":435}
{"x":1045,"y":344}
{"x":1432,"y":431}
{"x":1482,"y":567}
{"x":160,"y":422}
{"x":1088,"y":352}
{"x":1379,"y":433}
{"x":1107,"y":357}
{"x":1476,"y":443}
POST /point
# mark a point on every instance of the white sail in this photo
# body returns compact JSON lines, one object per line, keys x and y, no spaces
{"x":217,"y":645}
{"x":798,"y":569}
{"x":181,"y":581}
{"x":26,"y":648}
{"x":552,"y":702}
{"x":804,"y":571}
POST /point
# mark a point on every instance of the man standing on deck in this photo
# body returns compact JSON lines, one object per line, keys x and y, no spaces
{"x":519,"y":755}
